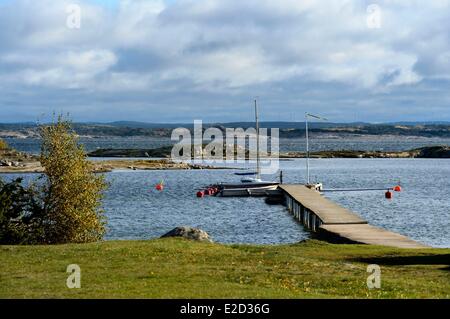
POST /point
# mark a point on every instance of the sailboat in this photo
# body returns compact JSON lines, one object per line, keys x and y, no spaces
{"x":250,"y":186}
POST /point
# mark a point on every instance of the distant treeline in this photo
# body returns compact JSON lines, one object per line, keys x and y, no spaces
{"x":287,"y":130}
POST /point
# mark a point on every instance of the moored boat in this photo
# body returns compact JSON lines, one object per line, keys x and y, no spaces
{"x":248,"y":191}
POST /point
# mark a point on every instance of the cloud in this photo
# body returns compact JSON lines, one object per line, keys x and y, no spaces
{"x":172,"y":56}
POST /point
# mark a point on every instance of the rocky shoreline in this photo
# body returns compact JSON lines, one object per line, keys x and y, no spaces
{"x":424,"y":152}
{"x":12,"y":161}
{"x":441,"y":151}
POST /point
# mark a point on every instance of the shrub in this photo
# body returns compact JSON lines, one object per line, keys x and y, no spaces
{"x":3,"y":145}
{"x":72,"y":192}
{"x":20,"y":214}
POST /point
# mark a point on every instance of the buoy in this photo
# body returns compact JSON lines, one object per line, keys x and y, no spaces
{"x":388,"y":195}
{"x":398,"y":188}
{"x":160,"y":186}
{"x":200,"y":194}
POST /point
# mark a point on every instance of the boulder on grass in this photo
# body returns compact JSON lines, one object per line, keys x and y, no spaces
{"x":188,"y":233}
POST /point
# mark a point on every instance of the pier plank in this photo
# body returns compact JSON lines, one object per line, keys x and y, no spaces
{"x":328,"y":211}
{"x":371,"y":235}
{"x":340,"y":222}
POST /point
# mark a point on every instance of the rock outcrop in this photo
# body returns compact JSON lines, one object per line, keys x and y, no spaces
{"x":165,"y":152}
{"x":434,"y":152}
{"x":162,"y":152}
{"x":188,"y":233}
{"x":423,"y":152}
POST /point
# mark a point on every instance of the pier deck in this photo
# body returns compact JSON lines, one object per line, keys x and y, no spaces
{"x":329,"y":212}
{"x":323,"y":216}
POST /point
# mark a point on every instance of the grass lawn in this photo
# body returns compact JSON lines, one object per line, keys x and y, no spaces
{"x":177,"y":268}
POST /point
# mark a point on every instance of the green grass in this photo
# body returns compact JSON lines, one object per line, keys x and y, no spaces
{"x":176,"y":268}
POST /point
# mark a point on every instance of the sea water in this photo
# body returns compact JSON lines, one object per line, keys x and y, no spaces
{"x":136,"y":210}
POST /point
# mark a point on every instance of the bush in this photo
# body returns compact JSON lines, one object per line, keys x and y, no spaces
{"x":20,"y":214}
{"x":3,"y":145}
{"x":73,"y":193}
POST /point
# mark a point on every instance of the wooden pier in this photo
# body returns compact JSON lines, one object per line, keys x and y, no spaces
{"x":323,"y":216}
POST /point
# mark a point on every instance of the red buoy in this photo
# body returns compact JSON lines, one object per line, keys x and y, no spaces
{"x":388,"y":195}
{"x":398,"y":188}
{"x":200,"y":194}
{"x":160,"y":186}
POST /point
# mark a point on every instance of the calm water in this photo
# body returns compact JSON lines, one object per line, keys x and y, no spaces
{"x":422,"y":211}
{"x":136,"y":210}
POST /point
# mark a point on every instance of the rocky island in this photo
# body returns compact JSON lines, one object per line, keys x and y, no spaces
{"x":12,"y":161}
{"x":423,"y":152}
{"x":442,"y":151}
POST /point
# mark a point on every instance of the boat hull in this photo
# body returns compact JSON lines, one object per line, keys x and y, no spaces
{"x":248,"y":191}
{"x":248,"y":185}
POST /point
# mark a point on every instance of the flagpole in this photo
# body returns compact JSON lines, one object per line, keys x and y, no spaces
{"x":307,"y":115}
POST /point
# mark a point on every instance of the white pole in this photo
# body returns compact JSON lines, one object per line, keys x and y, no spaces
{"x":307,"y":150}
{"x":258,"y":168}
{"x":307,"y":142}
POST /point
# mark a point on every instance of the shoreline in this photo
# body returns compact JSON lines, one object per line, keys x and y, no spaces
{"x":437,"y":151}
{"x":108,"y":166}
{"x":12,"y":161}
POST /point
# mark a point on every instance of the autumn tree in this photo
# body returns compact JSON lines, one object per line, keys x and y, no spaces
{"x":72,"y":193}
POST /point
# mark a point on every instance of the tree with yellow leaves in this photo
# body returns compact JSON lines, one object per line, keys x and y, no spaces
{"x":72,"y":193}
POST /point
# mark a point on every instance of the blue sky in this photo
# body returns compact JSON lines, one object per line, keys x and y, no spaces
{"x":180,"y":60}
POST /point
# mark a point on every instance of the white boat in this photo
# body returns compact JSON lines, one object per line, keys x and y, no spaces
{"x":248,"y":191}
{"x":250,"y":186}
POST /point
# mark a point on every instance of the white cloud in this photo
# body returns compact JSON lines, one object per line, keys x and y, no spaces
{"x":64,"y":70}
{"x":223,"y":46}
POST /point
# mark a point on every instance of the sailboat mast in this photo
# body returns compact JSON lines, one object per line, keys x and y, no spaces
{"x":258,"y":167}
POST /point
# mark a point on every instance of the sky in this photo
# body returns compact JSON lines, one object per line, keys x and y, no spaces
{"x":180,"y":60}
